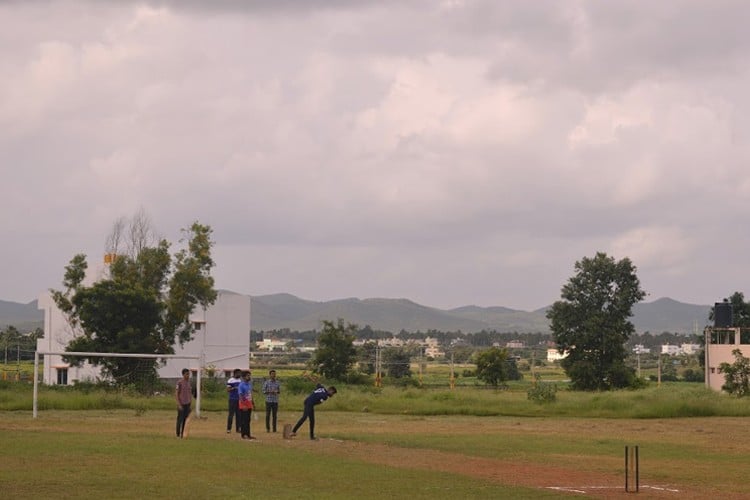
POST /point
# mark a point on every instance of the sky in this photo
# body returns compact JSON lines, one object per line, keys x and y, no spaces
{"x":448,"y":152}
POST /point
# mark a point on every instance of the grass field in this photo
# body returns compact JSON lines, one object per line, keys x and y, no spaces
{"x":392,"y":443}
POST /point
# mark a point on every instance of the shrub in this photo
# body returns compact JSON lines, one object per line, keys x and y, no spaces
{"x":690,"y":375}
{"x":736,"y":375}
{"x":542,"y":392}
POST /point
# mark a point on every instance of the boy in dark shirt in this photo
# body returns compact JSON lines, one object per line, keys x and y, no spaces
{"x":319,"y":395}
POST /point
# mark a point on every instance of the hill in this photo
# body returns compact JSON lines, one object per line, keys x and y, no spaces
{"x":25,"y":317}
{"x":286,"y":311}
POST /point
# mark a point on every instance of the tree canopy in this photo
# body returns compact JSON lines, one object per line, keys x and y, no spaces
{"x":397,"y":361}
{"x":336,"y":353}
{"x":492,"y":366}
{"x":591,"y":322}
{"x":736,"y":375}
{"x":143,"y":303}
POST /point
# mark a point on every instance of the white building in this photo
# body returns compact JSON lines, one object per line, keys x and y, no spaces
{"x":690,"y":348}
{"x":671,"y":350}
{"x":641,"y":349}
{"x":222,"y":339}
{"x":554,"y":355}
{"x":272,"y":345}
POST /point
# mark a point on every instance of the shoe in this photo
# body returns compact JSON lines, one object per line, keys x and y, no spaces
{"x":293,"y":434}
{"x":313,"y":438}
{"x":229,"y":431}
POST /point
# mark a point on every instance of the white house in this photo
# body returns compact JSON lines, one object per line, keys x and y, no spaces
{"x":554,"y":355}
{"x":222,"y":339}
{"x":272,"y":345}
{"x":690,"y":348}
{"x":671,"y":350}
{"x":641,"y":349}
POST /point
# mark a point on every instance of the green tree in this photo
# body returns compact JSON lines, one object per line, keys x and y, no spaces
{"x":397,"y":362}
{"x":492,"y":366}
{"x":736,"y":375}
{"x":668,"y":368}
{"x":143,"y":305}
{"x":591,"y":322}
{"x":10,"y":337}
{"x":336,"y":353}
{"x":366,"y":356}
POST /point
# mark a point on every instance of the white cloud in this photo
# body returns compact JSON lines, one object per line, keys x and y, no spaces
{"x":466,"y":153}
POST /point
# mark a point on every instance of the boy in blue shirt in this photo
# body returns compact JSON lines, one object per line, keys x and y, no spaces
{"x":233,"y":384}
{"x":245,"y":391}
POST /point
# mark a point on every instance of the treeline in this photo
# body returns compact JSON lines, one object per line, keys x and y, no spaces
{"x":17,"y":346}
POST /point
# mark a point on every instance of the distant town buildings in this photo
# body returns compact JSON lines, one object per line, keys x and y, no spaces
{"x":674,"y":350}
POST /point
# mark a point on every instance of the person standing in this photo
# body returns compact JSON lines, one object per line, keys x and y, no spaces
{"x":184,"y":397}
{"x":319,"y":395}
{"x":245,"y":391}
{"x":233,"y":384}
{"x":271,"y":388}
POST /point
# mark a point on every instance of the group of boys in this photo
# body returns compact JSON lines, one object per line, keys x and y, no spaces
{"x":240,"y":390}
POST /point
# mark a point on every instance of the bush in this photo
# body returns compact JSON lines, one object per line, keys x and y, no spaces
{"x":541,"y":392}
{"x":690,"y":375}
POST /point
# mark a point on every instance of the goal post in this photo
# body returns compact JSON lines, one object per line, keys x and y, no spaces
{"x":117,"y":355}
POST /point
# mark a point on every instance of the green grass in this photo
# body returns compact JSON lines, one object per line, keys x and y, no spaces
{"x":670,"y":400}
{"x":121,"y":454}
{"x":95,"y":454}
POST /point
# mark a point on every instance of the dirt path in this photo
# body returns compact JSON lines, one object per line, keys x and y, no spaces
{"x":555,"y":478}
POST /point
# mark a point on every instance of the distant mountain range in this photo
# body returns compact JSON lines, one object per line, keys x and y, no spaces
{"x":25,"y":317}
{"x":285,"y":311}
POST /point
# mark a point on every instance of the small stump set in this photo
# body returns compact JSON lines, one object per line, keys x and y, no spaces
{"x":631,"y":469}
{"x":287,"y":431}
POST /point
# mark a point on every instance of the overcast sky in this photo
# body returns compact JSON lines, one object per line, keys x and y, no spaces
{"x":448,"y":152}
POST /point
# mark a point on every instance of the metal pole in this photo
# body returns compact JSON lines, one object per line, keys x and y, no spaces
{"x":707,"y":343}
{"x":198,"y":386}
{"x":36,"y":381}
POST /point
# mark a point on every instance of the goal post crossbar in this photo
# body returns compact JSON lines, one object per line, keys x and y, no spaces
{"x":116,"y":355}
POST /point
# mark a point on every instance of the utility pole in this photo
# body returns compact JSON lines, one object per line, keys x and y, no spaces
{"x":453,"y":378}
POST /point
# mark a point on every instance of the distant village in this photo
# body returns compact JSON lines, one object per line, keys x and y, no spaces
{"x":435,"y":349}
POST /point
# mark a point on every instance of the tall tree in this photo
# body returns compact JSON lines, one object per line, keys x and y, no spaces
{"x":591,"y":322}
{"x":397,"y":362}
{"x":143,"y":305}
{"x":492,"y":366}
{"x":336,"y":353}
{"x":10,"y":337}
